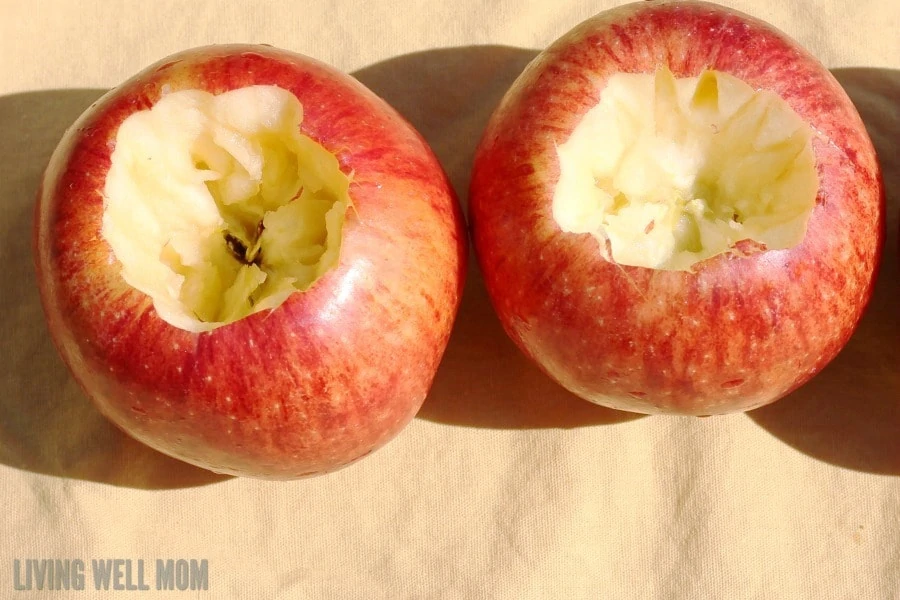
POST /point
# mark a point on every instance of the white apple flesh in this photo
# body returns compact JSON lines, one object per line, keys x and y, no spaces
{"x":677,"y":210}
{"x":249,"y":261}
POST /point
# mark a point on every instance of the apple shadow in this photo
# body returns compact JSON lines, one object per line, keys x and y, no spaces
{"x":485,"y":381}
{"x":849,"y":414}
{"x":47,"y":424}
{"x":448,"y":94}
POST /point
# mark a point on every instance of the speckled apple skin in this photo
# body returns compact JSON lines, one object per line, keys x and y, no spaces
{"x":326,"y":378}
{"x":738,"y":332}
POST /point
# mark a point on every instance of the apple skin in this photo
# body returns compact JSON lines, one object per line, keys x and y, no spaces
{"x":317,"y":383}
{"x":738,"y":332}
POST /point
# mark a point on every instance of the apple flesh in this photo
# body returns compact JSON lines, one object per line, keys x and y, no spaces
{"x":677,"y":210}
{"x":249,"y":261}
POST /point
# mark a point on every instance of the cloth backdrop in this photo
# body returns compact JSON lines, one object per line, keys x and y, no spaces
{"x":504,"y":486}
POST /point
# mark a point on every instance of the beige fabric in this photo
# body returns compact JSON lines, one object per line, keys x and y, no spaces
{"x":504,"y":486}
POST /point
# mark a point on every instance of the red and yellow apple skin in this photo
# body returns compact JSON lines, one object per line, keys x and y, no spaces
{"x":737,"y":332}
{"x":324,"y":379}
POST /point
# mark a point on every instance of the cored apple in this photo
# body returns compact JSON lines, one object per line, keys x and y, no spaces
{"x":677,"y":210}
{"x":249,"y":261}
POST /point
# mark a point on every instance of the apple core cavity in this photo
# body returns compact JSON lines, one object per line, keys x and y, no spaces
{"x":666,"y":172}
{"x":218,"y":207}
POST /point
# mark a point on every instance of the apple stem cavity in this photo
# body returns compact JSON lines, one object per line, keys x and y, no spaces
{"x":667,"y":172}
{"x":247,"y":255}
{"x":218,"y":207}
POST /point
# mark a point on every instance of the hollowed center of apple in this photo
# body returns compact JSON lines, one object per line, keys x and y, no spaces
{"x":668,"y":172}
{"x":217,"y":207}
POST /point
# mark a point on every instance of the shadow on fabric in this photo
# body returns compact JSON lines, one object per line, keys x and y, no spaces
{"x":448,"y":94}
{"x":849,"y":414}
{"x":47,"y":424}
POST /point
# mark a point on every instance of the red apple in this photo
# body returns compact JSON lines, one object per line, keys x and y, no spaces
{"x":249,"y":261}
{"x":677,"y":210}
